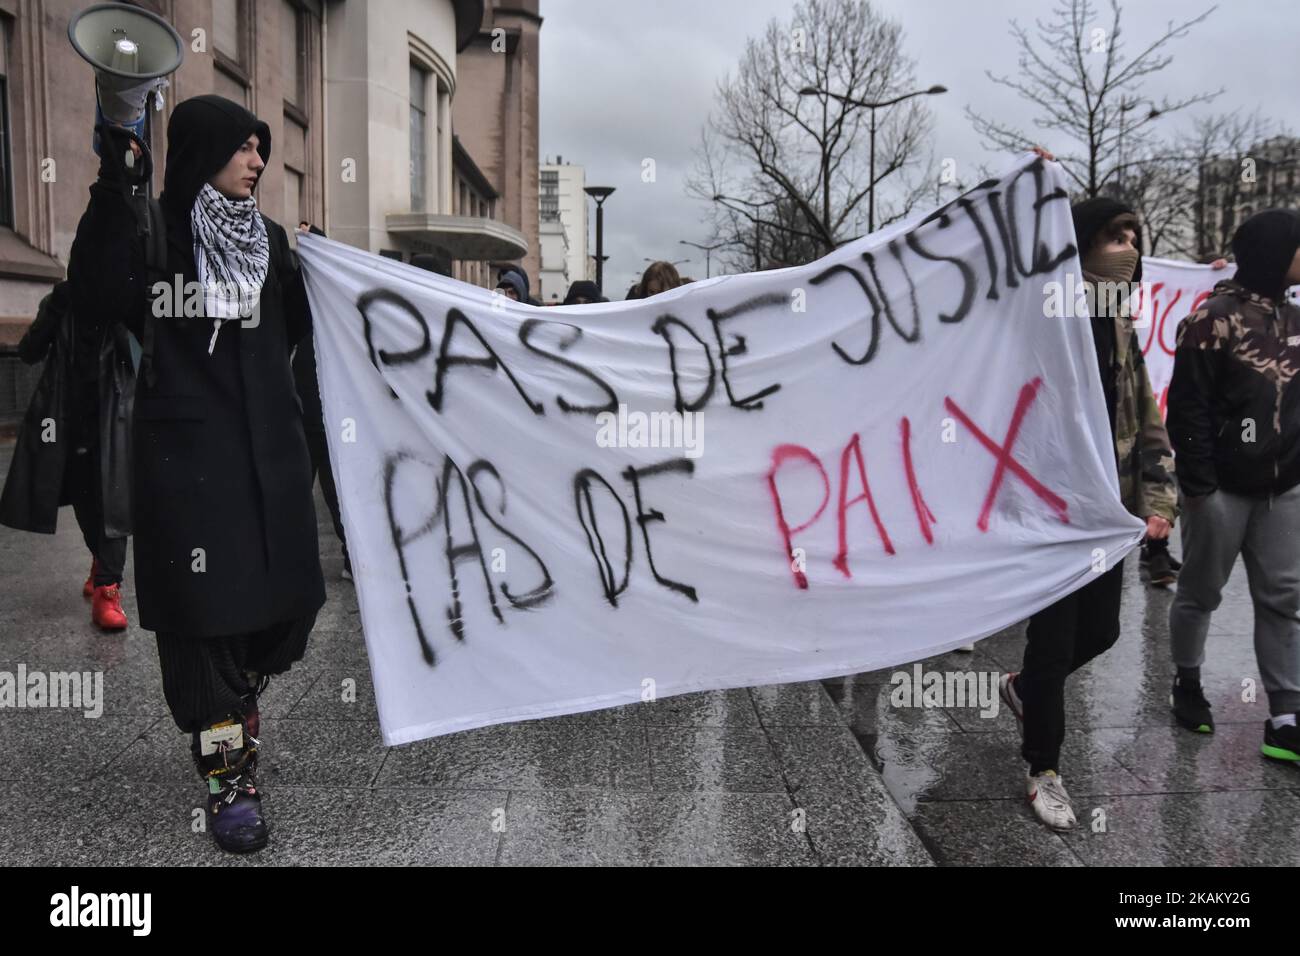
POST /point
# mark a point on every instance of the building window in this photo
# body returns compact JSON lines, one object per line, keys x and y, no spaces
{"x":230,"y":48}
{"x":293,"y":54}
{"x":6,"y":157}
{"x":293,"y":197}
{"x":549,"y":184}
{"x":442,"y":148}
{"x":419,"y":134}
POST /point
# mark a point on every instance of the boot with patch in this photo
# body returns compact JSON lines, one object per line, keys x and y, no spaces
{"x":226,"y":756}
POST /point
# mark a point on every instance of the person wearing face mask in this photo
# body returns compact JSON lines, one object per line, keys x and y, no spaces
{"x":1234,"y":415}
{"x":227,"y":569}
{"x":1082,"y":625}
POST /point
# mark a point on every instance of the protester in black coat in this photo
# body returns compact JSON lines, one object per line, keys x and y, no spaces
{"x":35,"y":489}
{"x":226,"y":562}
{"x":74,"y":444}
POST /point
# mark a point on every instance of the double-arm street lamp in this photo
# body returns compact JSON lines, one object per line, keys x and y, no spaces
{"x":871,"y":187}
{"x":708,"y":252}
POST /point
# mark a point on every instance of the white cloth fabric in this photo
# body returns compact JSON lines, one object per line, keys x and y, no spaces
{"x":517,"y":555}
{"x":233,"y":254}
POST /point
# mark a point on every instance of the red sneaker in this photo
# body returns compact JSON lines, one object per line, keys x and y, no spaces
{"x":88,"y":589}
{"x":106,"y":608}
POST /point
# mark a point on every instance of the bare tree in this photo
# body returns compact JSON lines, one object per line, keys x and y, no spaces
{"x":1087,"y":90}
{"x":1158,"y":188}
{"x":1188,"y":191}
{"x":787,"y":174}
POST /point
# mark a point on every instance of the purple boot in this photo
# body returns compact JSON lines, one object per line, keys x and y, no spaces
{"x":226,"y":756}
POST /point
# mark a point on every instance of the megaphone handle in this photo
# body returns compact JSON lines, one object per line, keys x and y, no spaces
{"x":118,"y":163}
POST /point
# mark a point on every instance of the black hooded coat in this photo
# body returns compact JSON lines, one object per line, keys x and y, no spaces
{"x":1090,"y":217}
{"x":225,"y":527}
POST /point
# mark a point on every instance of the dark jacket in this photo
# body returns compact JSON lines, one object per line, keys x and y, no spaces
{"x":83,"y":399}
{"x":225,"y":529}
{"x":1234,"y":406}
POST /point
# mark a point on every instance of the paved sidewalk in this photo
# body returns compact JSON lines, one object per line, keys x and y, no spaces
{"x":802,"y":774}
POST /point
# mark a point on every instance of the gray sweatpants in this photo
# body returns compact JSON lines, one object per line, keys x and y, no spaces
{"x":1267,"y":536}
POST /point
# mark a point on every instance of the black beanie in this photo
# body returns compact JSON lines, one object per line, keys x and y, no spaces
{"x":1091,"y":217}
{"x":202,"y":135}
{"x":1264,"y":246}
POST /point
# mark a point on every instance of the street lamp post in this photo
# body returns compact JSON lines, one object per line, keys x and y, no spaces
{"x":708,"y":252}
{"x":871,"y":186}
{"x":1124,"y":107}
{"x":600,"y":194}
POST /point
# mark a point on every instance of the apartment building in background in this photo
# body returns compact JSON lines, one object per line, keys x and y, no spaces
{"x":1231,"y":189}
{"x":369,"y":136}
{"x":561,"y":195}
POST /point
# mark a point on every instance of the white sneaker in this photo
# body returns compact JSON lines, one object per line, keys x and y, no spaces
{"x":1050,"y":801}
{"x":965,"y":649}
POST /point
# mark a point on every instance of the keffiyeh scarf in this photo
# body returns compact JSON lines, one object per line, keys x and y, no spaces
{"x":232,"y":253}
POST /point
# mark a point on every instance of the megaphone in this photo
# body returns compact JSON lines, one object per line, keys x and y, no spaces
{"x":132,"y":52}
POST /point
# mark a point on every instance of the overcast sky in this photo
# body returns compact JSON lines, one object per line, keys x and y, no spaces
{"x":622,"y":80}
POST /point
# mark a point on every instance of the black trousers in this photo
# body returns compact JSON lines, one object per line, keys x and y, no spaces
{"x":86,"y":491}
{"x":320,"y":464}
{"x":206,"y":679}
{"x":1062,"y":638}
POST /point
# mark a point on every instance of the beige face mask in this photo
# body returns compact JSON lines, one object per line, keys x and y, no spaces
{"x":1116,"y":266}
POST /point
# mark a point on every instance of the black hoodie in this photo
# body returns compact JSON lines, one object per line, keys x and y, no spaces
{"x":202,"y":136}
{"x":1090,"y":217}
{"x":1234,"y":405}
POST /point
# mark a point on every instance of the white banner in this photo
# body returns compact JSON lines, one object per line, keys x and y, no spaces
{"x":1169,"y":292}
{"x":753,"y":479}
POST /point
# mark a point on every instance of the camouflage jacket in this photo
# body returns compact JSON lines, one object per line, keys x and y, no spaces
{"x":1234,"y":407}
{"x":1142,"y":450}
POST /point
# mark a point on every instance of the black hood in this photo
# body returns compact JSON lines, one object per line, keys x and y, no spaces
{"x":523,"y":280}
{"x":1264,"y":246}
{"x":1091,"y":216}
{"x":202,"y":135}
{"x":583,"y":289}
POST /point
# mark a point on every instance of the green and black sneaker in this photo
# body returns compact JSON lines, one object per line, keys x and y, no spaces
{"x":1191,"y":709}
{"x":1281,"y":743}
